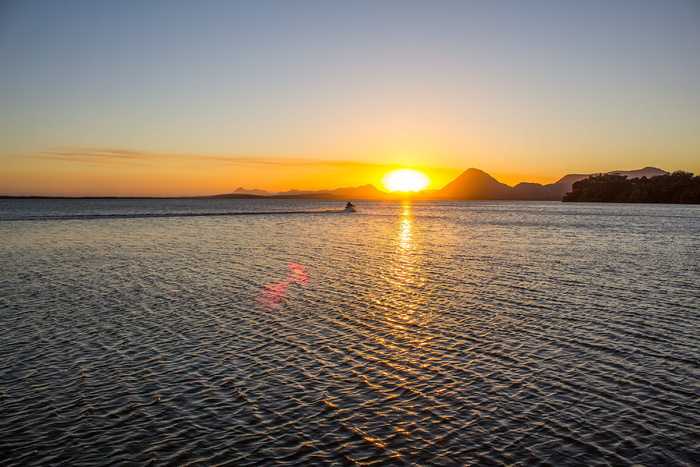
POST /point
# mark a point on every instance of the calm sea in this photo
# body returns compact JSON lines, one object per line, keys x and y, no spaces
{"x":176,"y":332}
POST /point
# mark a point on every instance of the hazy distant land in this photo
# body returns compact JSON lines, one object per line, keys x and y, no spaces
{"x":647,"y":185}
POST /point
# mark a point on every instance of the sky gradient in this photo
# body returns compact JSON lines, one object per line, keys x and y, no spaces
{"x":166,"y":98}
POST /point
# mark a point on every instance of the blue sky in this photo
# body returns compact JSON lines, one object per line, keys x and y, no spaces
{"x":525,"y":90}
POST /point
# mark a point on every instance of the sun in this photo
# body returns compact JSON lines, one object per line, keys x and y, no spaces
{"x":405,"y":180}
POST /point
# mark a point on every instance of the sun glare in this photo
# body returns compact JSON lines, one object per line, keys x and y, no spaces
{"x":405,"y":180}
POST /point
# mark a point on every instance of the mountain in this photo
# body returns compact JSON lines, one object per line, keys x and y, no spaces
{"x":536,"y":192}
{"x":301,"y":192}
{"x":477,"y":184}
{"x":565,"y":184}
{"x":647,"y":172}
{"x":556,"y":191}
{"x":474,"y":184}
{"x":242,"y":191}
{"x":232,"y":196}
{"x":360,"y":192}
{"x":571,"y":178}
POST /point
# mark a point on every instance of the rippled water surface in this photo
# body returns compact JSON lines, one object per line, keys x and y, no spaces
{"x":462,"y":333}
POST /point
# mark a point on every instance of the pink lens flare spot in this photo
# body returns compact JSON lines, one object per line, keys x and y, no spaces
{"x":272,"y":294}
{"x":297,"y":273}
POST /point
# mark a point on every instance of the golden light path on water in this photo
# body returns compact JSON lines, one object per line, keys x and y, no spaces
{"x":400,"y":305}
{"x":405,"y":314}
{"x":402,"y":271}
{"x":406,"y":273}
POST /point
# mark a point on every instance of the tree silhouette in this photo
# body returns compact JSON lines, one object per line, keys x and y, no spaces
{"x":677,"y":187}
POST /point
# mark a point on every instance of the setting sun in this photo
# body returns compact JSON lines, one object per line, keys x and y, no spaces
{"x":405,"y":180}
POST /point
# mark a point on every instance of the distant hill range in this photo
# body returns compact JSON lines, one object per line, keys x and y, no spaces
{"x":360,"y":192}
{"x":472,"y":184}
{"x":242,"y":191}
{"x":477,"y":184}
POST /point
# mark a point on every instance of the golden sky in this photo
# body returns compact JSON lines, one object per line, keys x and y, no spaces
{"x":163,"y":99}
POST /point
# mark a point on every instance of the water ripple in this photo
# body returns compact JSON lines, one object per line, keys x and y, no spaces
{"x":429,"y":334}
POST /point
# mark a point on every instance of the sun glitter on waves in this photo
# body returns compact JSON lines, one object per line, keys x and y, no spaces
{"x":405,"y":180}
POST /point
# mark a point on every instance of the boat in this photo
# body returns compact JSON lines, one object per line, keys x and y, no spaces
{"x":350,"y":208}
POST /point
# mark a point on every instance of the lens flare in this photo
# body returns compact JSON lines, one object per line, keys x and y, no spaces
{"x":272,"y":294}
{"x":297,"y":273}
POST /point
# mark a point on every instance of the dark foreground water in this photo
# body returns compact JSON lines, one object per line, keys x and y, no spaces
{"x":469,"y":333}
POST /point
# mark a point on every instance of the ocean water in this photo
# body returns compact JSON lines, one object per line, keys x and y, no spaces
{"x":175,"y":332}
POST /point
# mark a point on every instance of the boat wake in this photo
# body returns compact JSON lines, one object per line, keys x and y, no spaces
{"x":152,"y":215}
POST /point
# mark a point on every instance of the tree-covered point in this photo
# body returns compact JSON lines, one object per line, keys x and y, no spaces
{"x":677,"y":187}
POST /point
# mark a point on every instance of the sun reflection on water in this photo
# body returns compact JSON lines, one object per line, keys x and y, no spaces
{"x":405,"y":236}
{"x":407,"y":302}
{"x":405,"y":310}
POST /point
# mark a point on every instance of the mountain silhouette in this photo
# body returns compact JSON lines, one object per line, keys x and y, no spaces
{"x":360,"y":192}
{"x":474,"y":184}
{"x":242,"y":191}
{"x":537,"y":192}
{"x":556,"y":191}
{"x":296,"y":192}
{"x":647,"y":172}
